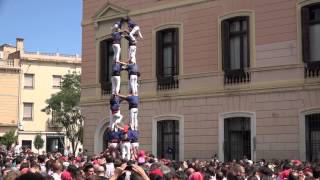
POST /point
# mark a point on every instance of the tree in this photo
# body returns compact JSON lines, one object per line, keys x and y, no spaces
{"x":38,"y":142}
{"x":9,"y":138}
{"x":65,"y":110}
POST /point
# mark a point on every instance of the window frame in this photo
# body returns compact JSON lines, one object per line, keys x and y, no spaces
{"x":32,"y":111}
{"x":33,"y":81}
{"x":253,"y":126}
{"x":53,"y":80}
{"x":29,"y":141}
{"x":176,"y":117}
{"x":225,"y":42}
{"x":312,"y":124}
{"x":173,"y":134}
{"x":105,"y":65}
{"x":305,"y":24}
{"x":161,"y":45}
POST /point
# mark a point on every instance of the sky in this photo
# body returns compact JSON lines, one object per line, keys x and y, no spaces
{"x":50,"y":26}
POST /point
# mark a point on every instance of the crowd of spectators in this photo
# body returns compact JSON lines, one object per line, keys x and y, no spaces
{"x":28,"y":165}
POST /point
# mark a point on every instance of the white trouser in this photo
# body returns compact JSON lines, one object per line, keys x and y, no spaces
{"x":115,"y":119}
{"x":113,"y":145}
{"x":133,"y":84}
{"x":135,"y":145}
{"x":116,"y":50}
{"x":136,"y":29}
{"x":134,"y":150}
{"x":115,"y":80}
{"x":125,"y":150}
{"x":132,"y":53}
{"x":133,"y":118}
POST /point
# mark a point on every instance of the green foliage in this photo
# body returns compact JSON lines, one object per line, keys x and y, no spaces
{"x":38,"y":142}
{"x":64,"y":104}
{"x":9,"y":138}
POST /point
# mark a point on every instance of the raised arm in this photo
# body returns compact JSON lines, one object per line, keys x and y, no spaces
{"x":123,"y":63}
{"x":122,"y":96}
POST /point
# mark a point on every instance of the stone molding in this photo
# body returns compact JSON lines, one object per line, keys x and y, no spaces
{"x":176,"y":117}
{"x":222,"y":116}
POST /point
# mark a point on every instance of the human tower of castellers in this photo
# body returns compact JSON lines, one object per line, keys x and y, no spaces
{"x":121,"y":135}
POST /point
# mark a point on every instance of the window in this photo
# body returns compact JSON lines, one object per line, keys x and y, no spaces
{"x":310,"y":16}
{"x":28,"y":81}
{"x":56,"y":81}
{"x":313,"y":136}
{"x":26,"y":144}
{"x":237,"y":138}
{"x":235,"y":49}
{"x":106,"y":60}
{"x":168,"y":139}
{"x":27,"y":111}
{"x":167,"y":48}
{"x":55,"y":143}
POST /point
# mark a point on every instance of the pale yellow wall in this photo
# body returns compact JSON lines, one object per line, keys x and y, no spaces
{"x":31,"y":137}
{"x":9,"y":83}
{"x":43,"y":80}
{"x":43,"y":71}
{"x":17,"y":62}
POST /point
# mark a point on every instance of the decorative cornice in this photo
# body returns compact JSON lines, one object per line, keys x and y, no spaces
{"x":50,"y":61}
{"x":10,"y":69}
{"x":8,"y":125}
{"x":161,"y":7}
{"x":108,"y":12}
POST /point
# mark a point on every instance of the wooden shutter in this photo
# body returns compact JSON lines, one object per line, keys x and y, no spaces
{"x":27,"y":111}
{"x":225,"y":42}
{"x":28,"y":80}
{"x":305,"y":33}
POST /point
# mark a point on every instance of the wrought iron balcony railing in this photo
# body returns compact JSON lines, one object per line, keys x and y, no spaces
{"x":236,"y":77}
{"x":167,"y":83}
{"x":312,"y":69}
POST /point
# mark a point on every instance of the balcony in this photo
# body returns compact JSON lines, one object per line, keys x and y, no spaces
{"x":167,"y":83}
{"x":106,"y":88}
{"x":312,"y":69}
{"x":54,"y":124}
{"x":7,"y":63}
{"x":237,"y":77}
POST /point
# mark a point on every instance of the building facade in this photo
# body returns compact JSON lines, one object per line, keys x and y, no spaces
{"x":40,"y":76}
{"x":9,"y":91}
{"x":233,"y":78}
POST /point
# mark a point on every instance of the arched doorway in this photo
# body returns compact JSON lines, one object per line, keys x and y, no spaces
{"x":100,"y":136}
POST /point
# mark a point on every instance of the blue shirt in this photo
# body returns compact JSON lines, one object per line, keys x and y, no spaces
{"x":116,"y":69}
{"x":133,"y":101}
{"x":132,"y":69}
{"x":131,"y":24}
{"x":114,"y":136}
{"x":133,"y":136}
{"x":116,"y":37}
{"x":115,"y":104}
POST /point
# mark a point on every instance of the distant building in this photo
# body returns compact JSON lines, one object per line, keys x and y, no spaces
{"x":9,"y":90}
{"x":37,"y":76}
{"x":232,"y":77}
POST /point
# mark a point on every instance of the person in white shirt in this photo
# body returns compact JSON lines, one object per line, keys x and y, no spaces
{"x":57,"y":170}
